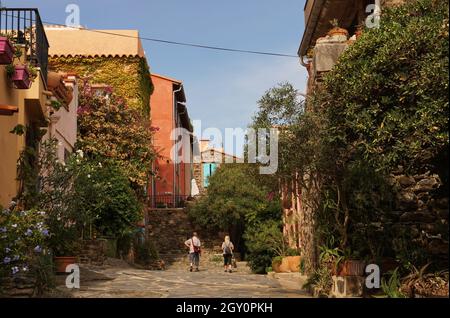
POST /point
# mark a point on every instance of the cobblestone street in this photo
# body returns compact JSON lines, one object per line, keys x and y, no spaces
{"x":122,"y":281}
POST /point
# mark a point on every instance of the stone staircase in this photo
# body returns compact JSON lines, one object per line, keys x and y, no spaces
{"x":169,"y":229}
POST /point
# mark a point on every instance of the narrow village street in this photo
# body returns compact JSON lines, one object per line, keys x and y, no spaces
{"x":211,"y":149}
{"x":116,"y":279}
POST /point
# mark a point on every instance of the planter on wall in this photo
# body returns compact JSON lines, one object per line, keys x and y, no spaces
{"x":21,"y":77}
{"x":61,"y":263}
{"x":6,"y":51}
{"x":338,"y":31}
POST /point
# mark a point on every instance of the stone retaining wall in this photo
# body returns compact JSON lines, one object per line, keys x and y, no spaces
{"x":94,"y":252}
{"x":422,"y":211}
{"x":20,"y":286}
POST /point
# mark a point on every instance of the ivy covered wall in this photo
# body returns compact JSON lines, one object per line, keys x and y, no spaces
{"x":129,"y":76}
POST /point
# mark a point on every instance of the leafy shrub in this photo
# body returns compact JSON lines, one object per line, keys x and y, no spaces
{"x":388,"y":95}
{"x":108,"y":196}
{"x":263,"y":243}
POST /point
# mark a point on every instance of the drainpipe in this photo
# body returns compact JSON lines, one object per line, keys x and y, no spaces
{"x":175,"y":118}
{"x":302,"y":62}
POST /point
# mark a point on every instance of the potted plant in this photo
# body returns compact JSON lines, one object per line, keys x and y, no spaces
{"x":6,"y":51}
{"x":336,"y":30}
{"x":63,"y":243}
{"x":63,"y":255}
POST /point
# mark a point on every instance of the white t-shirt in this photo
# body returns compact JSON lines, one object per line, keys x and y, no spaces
{"x":194,"y":240}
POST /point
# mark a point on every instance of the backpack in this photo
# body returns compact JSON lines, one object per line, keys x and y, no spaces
{"x":227,"y":249}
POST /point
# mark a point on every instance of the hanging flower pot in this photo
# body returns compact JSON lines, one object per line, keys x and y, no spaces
{"x":21,"y":77}
{"x":6,"y":51}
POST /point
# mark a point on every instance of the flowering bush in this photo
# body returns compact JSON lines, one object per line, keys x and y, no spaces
{"x":111,"y":131}
{"x":23,"y":239}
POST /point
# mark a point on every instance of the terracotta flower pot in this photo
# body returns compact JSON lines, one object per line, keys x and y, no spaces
{"x":287,"y":265}
{"x":338,"y":31}
{"x":62,"y":262}
{"x":276,"y":267}
{"x":351,"y":268}
{"x":21,"y":77}
{"x":294,"y":263}
{"x":6,"y":51}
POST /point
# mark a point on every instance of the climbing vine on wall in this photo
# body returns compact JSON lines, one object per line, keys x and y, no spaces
{"x":130,"y":76}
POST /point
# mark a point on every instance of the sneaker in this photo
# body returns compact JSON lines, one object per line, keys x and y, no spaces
{"x":196,"y":270}
{"x":225,"y":271}
{"x":230,"y":271}
{"x":190,"y":269}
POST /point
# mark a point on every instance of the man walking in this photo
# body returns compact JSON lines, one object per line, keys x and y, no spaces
{"x":194,"y":251}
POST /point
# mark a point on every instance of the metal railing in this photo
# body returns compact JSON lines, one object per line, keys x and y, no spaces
{"x":24,"y":26}
{"x":168,"y":201}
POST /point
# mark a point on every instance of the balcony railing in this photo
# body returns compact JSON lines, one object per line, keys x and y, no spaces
{"x":168,"y":201}
{"x":25,"y":26}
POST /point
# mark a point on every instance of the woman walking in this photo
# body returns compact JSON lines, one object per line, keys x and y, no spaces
{"x":194,"y":251}
{"x":227,"y":248}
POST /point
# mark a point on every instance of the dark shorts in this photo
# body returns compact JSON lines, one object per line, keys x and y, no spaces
{"x":227,"y":259}
{"x":194,"y":258}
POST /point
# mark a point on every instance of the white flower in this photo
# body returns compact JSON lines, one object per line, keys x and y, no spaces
{"x":100,"y":165}
{"x":78,"y":161}
{"x":80,"y":153}
{"x":89,"y":176}
{"x":66,"y":170}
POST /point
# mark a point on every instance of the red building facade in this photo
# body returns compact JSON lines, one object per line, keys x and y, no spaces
{"x":173,"y":141}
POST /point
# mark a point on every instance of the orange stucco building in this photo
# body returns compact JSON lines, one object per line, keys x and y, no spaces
{"x":173,"y":141}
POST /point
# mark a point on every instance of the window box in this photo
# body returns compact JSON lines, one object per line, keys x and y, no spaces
{"x":21,"y":77}
{"x":6,"y":51}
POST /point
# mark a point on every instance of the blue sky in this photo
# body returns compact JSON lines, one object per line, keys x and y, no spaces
{"x":222,"y":88}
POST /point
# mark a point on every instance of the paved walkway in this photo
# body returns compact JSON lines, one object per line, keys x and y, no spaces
{"x":121,"y":280}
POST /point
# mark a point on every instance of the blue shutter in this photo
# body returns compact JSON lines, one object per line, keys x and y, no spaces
{"x":206,"y":174}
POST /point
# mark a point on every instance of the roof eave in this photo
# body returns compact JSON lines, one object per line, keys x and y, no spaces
{"x":310,"y":27}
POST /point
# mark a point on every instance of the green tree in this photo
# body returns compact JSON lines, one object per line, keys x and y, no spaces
{"x":234,"y":201}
